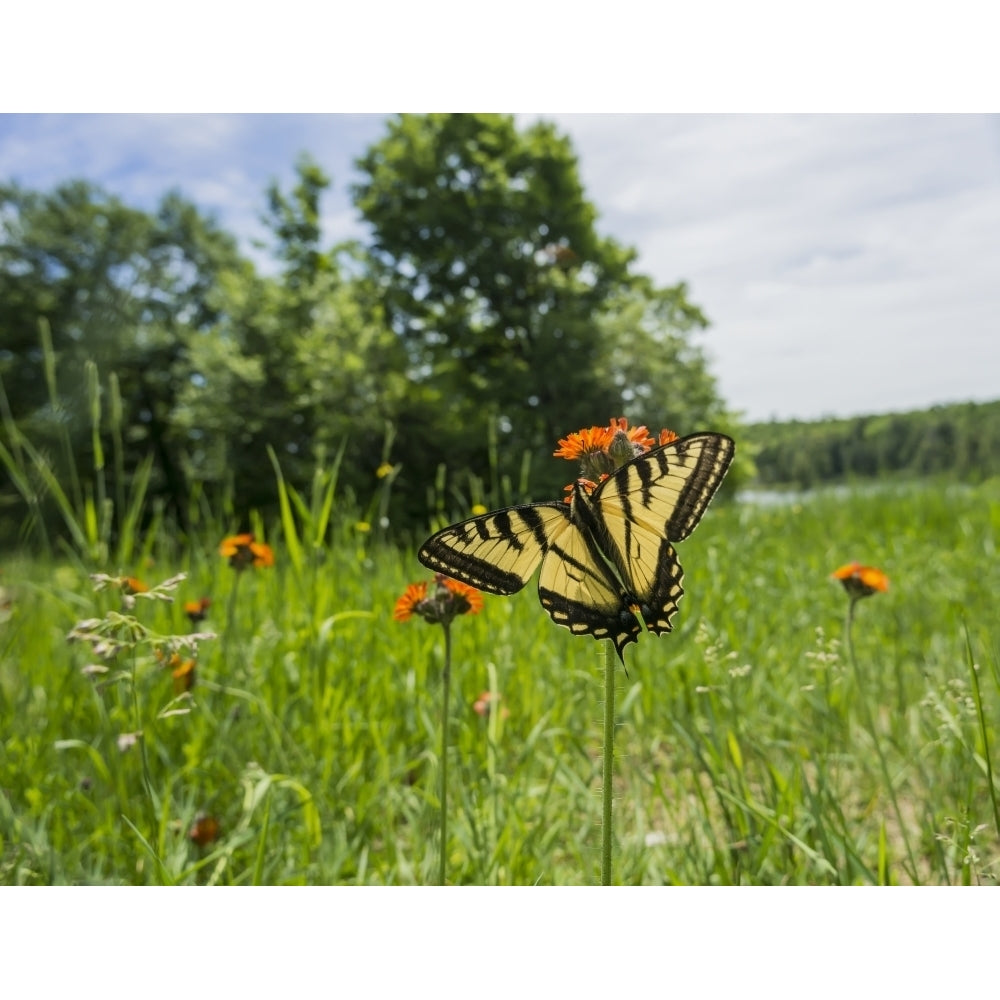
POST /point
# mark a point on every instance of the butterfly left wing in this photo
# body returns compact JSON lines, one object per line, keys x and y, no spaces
{"x":497,"y":552}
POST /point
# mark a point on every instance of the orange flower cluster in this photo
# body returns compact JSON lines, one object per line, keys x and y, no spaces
{"x":586,"y":442}
{"x":601,"y":450}
{"x":243,"y":551}
{"x":448,"y":600}
{"x":861,"y":581}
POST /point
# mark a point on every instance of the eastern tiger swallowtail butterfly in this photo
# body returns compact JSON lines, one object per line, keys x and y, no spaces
{"x":606,"y":554}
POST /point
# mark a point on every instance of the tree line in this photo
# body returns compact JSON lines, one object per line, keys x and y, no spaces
{"x":960,"y":440}
{"x":482,"y":318}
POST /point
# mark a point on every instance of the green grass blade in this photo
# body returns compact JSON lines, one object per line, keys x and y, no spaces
{"x":983,"y":730}
{"x":288,"y":526}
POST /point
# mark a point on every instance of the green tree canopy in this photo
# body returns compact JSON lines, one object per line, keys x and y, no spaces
{"x":303,"y":362}
{"x":508,"y":301}
{"x":111,"y":284}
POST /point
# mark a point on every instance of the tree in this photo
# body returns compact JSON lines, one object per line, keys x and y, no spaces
{"x":302,"y":362}
{"x":492,"y":272}
{"x":114,"y":285}
{"x":513,"y":311}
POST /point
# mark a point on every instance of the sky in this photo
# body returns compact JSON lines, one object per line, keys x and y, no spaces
{"x":848,"y":264}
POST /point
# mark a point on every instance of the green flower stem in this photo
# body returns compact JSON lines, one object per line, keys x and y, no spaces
{"x":492,"y":731}
{"x":609,"y":762}
{"x":137,"y":726}
{"x":446,"y":686}
{"x":868,"y":720}
{"x":230,"y":618}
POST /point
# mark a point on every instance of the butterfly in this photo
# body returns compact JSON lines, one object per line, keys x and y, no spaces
{"x":608,"y":555}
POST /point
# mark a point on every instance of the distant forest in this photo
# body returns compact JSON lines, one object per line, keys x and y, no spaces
{"x":960,"y":440}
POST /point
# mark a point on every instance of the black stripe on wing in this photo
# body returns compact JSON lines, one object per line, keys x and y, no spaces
{"x":704,"y":459}
{"x":617,"y":623}
{"x":496,"y":552}
{"x":580,"y":591}
{"x":670,"y":486}
{"x":661,"y":604}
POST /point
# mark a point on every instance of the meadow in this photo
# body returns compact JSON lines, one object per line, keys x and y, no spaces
{"x":752,"y":747}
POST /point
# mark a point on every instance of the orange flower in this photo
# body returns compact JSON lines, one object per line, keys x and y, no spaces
{"x":196,"y":610}
{"x":463,"y":591}
{"x":243,"y":551}
{"x":413,"y":595}
{"x":204,"y":830}
{"x":448,"y":600}
{"x":601,"y":450}
{"x":579,"y":444}
{"x":861,"y":581}
{"x":483,"y":705}
{"x":637,"y":435}
{"x":183,"y":676}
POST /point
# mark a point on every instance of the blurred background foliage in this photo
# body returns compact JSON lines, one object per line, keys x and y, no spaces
{"x":483,"y":318}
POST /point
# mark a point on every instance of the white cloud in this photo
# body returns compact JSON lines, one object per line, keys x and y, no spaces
{"x":848,"y":263}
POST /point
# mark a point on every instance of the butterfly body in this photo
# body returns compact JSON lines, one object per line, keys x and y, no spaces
{"x":604,"y":556}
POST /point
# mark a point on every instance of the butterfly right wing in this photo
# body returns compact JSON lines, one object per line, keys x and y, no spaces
{"x":654,"y":500}
{"x":500,"y":551}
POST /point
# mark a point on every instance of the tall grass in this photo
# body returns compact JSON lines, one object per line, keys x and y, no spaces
{"x":749,"y":751}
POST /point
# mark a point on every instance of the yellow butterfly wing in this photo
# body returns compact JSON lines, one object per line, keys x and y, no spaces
{"x":606,"y":555}
{"x":650,"y":502}
{"x":497,"y":552}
